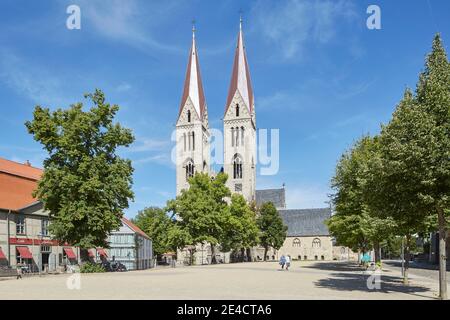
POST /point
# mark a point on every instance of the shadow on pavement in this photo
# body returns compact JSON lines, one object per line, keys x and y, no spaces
{"x":335,"y":266}
{"x":415,"y":265}
{"x":358,"y":282}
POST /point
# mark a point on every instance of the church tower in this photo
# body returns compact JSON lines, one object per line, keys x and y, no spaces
{"x":239,"y":125}
{"x":192,"y":132}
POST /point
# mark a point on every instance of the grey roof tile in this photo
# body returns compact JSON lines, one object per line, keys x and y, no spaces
{"x":306,"y":222}
{"x":276,"y":196}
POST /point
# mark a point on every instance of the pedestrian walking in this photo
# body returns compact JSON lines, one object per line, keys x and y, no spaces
{"x":282,"y":261}
{"x":288,"y":262}
{"x":19,"y":271}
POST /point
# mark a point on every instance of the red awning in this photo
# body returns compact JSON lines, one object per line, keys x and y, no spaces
{"x":101,"y":252}
{"x":70,"y":253}
{"x":91,"y":253}
{"x":24,"y":252}
{"x":2,"y":255}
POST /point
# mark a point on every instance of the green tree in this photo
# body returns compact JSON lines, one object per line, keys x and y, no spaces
{"x":272,"y":230}
{"x":156,"y":224}
{"x":240,"y":230}
{"x":202,"y":210}
{"x":433,"y":96}
{"x":356,"y":224}
{"x":415,"y":155}
{"x":85,"y":185}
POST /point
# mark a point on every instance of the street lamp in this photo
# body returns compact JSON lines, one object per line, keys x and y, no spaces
{"x":41,"y":237}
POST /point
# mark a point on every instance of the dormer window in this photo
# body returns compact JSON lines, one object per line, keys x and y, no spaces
{"x":237,"y":110}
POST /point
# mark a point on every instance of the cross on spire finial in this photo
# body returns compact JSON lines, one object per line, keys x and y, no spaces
{"x":193,"y":28}
{"x":240,"y":19}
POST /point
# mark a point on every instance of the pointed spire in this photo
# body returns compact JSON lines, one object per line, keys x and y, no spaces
{"x":240,"y":79}
{"x":193,"y":87}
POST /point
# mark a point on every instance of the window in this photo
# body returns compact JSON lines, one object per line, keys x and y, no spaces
{"x":237,"y":136}
{"x":242,"y":136}
{"x":189,"y":115}
{"x":299,"y":257}
{"x":322,"y":257}
{"x":44,"y":227}
{"x":232,"y":137}
{"x":193,"y":141}
{"x":296,"y":242}
{"x":237,"y":110}
{"x":189,"y":141}
{"x":189,"y":169}
{"x":45,"y":248}
{"x":315,"y":258}
{"x":316,"y":243}
{"x":184,"y":141}
{"x":237,"y":167}
{"x":305,"y":257}
{"x":20,"y":225}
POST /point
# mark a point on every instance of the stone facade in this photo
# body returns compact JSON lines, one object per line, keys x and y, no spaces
{"x":28,"y":233}
{"x":240,"y":148}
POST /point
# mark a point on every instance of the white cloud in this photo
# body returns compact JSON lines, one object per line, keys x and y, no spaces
{"x":129,"y":21}
{"x":162,"y":159}
{"x":290,"y":25}
{"x":30,"y":81}
{"x":123,"y":87}
{"x":149,"y":144}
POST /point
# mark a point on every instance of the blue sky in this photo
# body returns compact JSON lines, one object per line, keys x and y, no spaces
{"x":319,"y":75}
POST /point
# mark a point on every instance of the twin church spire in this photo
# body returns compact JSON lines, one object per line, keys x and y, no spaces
{"x":239,"y":130}
{"x":240,"y":79}
{"x":193,"y":87}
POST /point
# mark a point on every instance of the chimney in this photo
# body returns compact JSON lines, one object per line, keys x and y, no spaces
{"x":27,"y":163}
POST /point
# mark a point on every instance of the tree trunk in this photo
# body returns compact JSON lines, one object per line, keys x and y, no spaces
{"x":249,"y":255}
{"x":407,"y":258}
{"x":242,"y":254}
{"x":442,"y":254}
{"x":265,"y":253}
{"x":376,"y":248}
{"x":213,"y":255}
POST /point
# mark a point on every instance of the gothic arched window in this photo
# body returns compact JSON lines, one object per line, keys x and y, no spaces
{"x":232,"y":136}
{"x":189,"y":115}
{"x":242,"y":136}
{"x":189,"y":169}
{"x":184,"y":141}
{"x":189,"y":140}
{"x":316,"y":243}
{"x":237,"y":136}
{"x":237,"y":110}
{"x":296,"y":242}
{"x":237,"y":167}
{"x":193,"y":141}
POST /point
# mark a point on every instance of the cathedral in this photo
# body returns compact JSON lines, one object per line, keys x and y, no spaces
{"x":239,"y":126}
{"x":308,"y":237}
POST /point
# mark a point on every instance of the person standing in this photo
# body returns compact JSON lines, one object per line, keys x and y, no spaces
{"x":19,"y":270}
{"x":288,"y":262}
{"x":282,"y":261}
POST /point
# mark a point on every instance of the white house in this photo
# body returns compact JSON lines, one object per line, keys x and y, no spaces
{"x":131,"y":246}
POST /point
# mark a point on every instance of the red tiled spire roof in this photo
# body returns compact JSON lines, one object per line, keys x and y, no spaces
{"x":240,"y":79}
{"x":193,"y":87}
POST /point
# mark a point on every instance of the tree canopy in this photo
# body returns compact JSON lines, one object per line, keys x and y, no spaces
{"x":157,"y":225}
{"x":272,"y":230}
{"x":85,"y":185}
